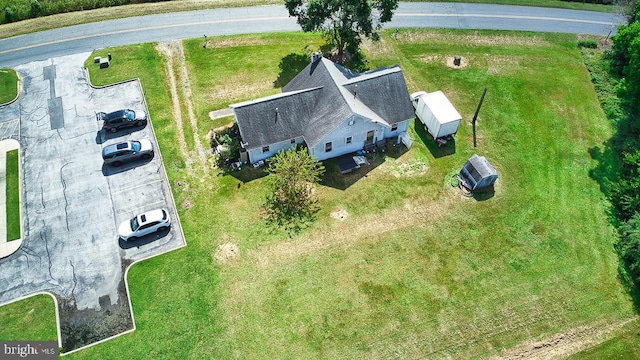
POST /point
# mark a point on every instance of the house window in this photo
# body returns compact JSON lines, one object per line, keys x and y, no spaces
{"x":351,"y":122}
{"x":293,"y":141}
{"x":394,"y":127}
{"x":327,"y":146}
{"x":349,"y":140}
{"x":265,"y":149}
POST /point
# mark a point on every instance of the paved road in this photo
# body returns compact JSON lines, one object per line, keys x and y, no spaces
{"x":81,"y":38}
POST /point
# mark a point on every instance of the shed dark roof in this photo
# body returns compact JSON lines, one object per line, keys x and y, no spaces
{"x":319,"y":99}
{"x":478,"y":167}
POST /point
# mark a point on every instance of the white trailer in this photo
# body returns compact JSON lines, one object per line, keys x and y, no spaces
{"x":439,"y":117}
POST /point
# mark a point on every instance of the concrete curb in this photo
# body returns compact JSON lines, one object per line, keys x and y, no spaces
{"x":10,"y":247}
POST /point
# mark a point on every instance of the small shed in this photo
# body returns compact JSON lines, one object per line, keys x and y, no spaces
{"x":477,"y":173}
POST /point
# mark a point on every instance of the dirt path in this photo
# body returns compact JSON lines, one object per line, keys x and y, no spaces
{"x":178,"y":74}
{"x":562,"y":345}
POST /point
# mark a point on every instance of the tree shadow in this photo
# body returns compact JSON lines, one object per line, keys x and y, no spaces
{"x":290,"y":66}
{"x":436,"y":150}
{"x":246,"y":174}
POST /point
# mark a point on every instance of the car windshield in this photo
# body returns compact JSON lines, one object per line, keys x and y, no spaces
{"x":134,"y":224}
{"x":135,"y":145}
{"x":130,"y":114}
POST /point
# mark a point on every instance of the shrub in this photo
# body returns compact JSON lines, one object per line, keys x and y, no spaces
{"x":36,"y":8}
{"x":9,"y":14}
{"x":588,"y":43}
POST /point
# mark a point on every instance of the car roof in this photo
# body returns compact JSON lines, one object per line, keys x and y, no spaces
{"x":149,"y":216}
{"x":115,"y":147}
{"x":117,"y":114}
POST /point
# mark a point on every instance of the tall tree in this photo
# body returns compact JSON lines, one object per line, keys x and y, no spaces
{"x":291,"y":201}
{"x":343,"y":22}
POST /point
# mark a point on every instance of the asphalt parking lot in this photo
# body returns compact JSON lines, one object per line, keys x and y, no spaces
{"x":72,"y":204}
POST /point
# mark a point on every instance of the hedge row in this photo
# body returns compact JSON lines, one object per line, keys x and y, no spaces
{"x":16,"y":10}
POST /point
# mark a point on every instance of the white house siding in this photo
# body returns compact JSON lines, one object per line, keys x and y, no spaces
{"x":403,"y":126}
{"x":338,"y":136}
{"x":257,"y":154}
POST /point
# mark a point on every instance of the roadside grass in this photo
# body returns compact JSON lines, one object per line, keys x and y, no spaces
{"x":415,"y":269}
{"x":8,"y":85}
{"x":12,"y":207}
{"x":88,"y":16}
{"x":624,"y":345}
{"x":33,"y":318}
{"x":238,"y":68}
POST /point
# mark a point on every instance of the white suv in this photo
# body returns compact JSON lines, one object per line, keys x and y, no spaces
{"x":144,"y":224}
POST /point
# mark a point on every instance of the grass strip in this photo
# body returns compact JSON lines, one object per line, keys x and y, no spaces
{"x":13,"y":196}
{"x":8,"y":88}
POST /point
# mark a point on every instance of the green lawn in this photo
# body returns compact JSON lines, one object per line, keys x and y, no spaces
{"x":13,"y":195}
{"x":8,"y":85}
{"x":416,"y":269}
{"x":30,"y":319}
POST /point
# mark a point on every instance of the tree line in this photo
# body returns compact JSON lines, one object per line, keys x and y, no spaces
{"x":624,"y":186}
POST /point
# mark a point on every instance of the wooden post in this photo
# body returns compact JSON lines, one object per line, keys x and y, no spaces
{"x":475,"y":117}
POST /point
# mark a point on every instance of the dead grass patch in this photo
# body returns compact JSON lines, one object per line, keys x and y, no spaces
{"x":238,"y":86}
{"x":349,"y":233}
{"x":404,"y":169}
{"x":226,"y":252}
{"x":339,"y":214}
{"x":471,"y":39}
{"x":560,"y":346}
{"x":226,"y":42}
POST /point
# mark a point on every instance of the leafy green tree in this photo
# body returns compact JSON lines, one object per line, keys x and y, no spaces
{"x":343,"y":22}
{"x":291,"y":202}
{"x":629,"y":245}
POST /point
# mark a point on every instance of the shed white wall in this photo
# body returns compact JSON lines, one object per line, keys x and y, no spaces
{"x":403,"y":126}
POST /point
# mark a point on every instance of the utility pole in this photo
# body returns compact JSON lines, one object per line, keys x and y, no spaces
{"x":475,"y":117}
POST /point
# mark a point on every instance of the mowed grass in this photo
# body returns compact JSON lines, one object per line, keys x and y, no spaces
{"x":12,"y":191}
{"x":624,"y":345}
{"x":416,"y":270}
{"x":33,"y":318}
{"x":8,"y":85}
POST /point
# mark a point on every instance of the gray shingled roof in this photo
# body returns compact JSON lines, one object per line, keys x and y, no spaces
{"x":319,"y":99}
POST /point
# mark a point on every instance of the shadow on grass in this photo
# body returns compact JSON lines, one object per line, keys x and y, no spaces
{"x":484,"y":194}
{"x":290,"y":66}
{"x":247,"y":174}
{"x":437,"y":151}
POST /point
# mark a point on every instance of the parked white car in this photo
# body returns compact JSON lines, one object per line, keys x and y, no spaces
{"x":144,"y":224}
